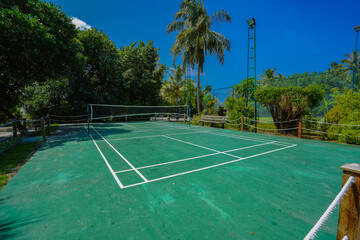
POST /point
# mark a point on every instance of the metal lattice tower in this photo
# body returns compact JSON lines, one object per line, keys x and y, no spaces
{"x":251,"y":69}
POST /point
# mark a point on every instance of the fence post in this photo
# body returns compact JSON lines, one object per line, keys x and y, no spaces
{"x":24,"y":124}
{"x":300,"y":128}
{"x":350,"y":205}
{"x":242,"y":123}
{"x":14,"y":127}
{"x":43,"y":129}
{"x":48,"y":124}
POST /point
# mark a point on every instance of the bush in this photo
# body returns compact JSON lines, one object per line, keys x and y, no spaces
{"x":235,"y":108}
{"x":346,"y":110}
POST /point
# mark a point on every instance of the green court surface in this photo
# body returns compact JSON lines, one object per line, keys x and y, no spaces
{"x":160,"y":180}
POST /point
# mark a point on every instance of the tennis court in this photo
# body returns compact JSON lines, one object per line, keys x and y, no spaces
{"x":165,"y":180}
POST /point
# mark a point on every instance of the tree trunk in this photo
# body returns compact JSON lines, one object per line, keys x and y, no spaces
{"x":198,"y":90}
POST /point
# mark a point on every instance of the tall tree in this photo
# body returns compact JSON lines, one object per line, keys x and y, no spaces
{"x":37,"y":41}
{"x":195,"y":37}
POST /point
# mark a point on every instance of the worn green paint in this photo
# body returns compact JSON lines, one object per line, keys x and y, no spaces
{"x":66,"y":191}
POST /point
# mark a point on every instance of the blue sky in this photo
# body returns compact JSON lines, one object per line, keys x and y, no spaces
{"x":292,"y":36}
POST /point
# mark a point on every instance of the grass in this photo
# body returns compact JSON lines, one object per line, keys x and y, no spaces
{"x":15,"y":158}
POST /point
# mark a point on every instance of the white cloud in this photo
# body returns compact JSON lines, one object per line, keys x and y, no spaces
{"x":80,"y":24}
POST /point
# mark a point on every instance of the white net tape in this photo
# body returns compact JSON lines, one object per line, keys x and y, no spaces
{"x":312,"y":234}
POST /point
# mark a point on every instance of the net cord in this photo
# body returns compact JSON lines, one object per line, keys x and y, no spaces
{"x":312,"y":234}
{"x":131,"y":106}
{"x":136,"y":114}
{"x":74,"y":116}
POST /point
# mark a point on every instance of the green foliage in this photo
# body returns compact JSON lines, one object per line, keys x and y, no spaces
{"x":346,"y":110}
{"x":37,"y":41}
{"x":240,"y":88}
{"x":173,"y":90}
{"x":289,"y":103}
{"x":142,"y":73}
{"x":235,"y":108}
{"x":47,"y":97}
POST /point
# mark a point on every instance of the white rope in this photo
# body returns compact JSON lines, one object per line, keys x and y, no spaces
{"x":336,"y":124}
{"x":271,"y":129}
{"x":34,"y":131}
{"x":8,"y":136}
{"x":253,"y":120}
{"x":312,"y":234}
{"x":229,"y":120}
{"x":29,"y":121}
{"x":6,"y":124}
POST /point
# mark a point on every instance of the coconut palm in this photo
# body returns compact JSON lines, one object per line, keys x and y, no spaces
{"x":352,"y":62}
{"x":195,"y":39}
{"x":173,"y":89}
{"x":269,"y":74}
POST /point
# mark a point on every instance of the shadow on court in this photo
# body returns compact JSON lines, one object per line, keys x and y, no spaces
{"x":11,"y":228}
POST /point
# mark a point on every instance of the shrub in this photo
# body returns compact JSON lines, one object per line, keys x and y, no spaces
{"x":346,"y":110}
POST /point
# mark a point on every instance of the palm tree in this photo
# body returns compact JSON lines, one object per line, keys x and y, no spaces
{"x":269,"y":74}
{"x":335,"y":66}
{"x":352,"y":62}
{"x":173,"y":88}
{"x":207,"y":89}
{"x":195,"y":39}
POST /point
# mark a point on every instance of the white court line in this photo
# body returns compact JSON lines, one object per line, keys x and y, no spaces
{"x":251,"y":139}
{"x":127,"y":125}
{"x":187,"y":159}
{"x":137,"y":171}
{"x":151,"y":136}
{"x":212,"y":166}
{"x":200,"y":146}
{"x":170,"y":125}
{"x":107,"y":163}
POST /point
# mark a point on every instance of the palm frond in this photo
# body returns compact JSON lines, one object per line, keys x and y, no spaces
{"x":220,"y":17}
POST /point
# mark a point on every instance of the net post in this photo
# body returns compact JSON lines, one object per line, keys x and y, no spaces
{"x":48,"y":124}
{"x":300,"y":128}
{"x":14,"y":127}
{"x":168,"y":118}
{"x":43,"y":129}
{"x":349,"y":217}
{"x":184,"y":118}
{"x":242,"y":123}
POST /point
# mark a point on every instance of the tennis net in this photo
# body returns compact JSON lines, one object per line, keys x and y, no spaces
{"x":98,"y":113}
